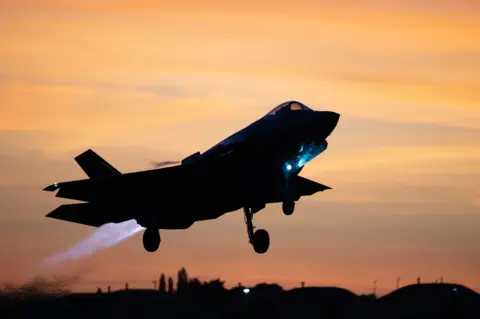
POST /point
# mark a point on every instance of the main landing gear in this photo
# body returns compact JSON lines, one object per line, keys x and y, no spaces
{"x":151,"y":239}
{"x":260,"y":238}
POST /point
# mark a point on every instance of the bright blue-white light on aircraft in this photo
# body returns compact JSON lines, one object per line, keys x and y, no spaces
{"x":246,"y":291}
{"x":311,"y":152}
{"x":289,"y":167}
{"x":55,"y":185}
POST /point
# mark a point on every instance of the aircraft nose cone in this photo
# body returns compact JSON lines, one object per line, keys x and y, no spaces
{"x":335,"y":117}
{"x":330,"y":120}
{"x":323,"y":123}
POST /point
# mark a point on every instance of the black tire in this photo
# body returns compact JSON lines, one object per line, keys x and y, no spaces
{"x":151,"y":239}
{"x":261,"y":241}
{"x":288,"y":207}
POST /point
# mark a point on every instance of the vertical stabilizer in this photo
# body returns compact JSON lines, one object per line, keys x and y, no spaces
{"x":95,"y":166}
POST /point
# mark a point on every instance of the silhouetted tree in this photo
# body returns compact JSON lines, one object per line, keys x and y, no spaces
{"x":171,"y":288}
{"x":194,"y":285}
{"x":216,"y":284}
{"x":163,"y":284}
{"x":182,"y":280}
{"x":194,"y":282}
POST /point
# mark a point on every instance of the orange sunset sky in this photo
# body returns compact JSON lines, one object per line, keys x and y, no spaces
{"x":142,"y":81}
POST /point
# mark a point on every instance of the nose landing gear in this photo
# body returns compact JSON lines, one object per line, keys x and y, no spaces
{"x":288,"y":205}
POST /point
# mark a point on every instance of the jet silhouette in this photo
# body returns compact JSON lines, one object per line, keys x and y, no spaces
{"x":254,"y":167}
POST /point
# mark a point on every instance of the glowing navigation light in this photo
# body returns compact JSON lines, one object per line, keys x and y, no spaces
{"x":246,"y":291}
{"x":289,"y":167}
{"x":55,"y":185}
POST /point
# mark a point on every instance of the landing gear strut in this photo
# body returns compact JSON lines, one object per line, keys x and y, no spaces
{"x":289,"y":203}
{"x":260,"y":238}
{"x":151,"y":239}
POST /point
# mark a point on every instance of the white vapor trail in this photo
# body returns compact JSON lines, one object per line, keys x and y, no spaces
{"x":104,"y":237}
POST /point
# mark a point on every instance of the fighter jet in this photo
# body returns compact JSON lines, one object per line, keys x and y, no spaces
{"x":256,"y":166}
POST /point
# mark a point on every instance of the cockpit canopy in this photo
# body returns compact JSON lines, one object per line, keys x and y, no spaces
{"x":287,"y":107}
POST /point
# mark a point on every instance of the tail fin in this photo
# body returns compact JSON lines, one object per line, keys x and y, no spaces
{"x":95,"y":166}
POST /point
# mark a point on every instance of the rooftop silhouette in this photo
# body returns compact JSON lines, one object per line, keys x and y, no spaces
{"x":189,"y":297}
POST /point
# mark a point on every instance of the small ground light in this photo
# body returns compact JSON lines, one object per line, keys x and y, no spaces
{"x":246,"y":291}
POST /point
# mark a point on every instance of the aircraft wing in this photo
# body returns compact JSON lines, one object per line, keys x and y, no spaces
{"x":302,"y":187}
{"x":307,"y":187}
{"x":86,"y":214}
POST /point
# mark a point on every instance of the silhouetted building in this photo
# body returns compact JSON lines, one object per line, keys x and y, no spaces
{"x":211,"y":300}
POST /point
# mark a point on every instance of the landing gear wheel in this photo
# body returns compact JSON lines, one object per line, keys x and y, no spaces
{"x":151,"y":239}
{"x":261,"y":241}
{"x":288,"y":207}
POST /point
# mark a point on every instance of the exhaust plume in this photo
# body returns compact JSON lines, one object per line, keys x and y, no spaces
{"x":105,"y":236}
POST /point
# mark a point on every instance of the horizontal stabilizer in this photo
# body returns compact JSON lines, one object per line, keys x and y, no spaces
{"x":79,"y":190}
{"x":85,"y":214}
{"x":95,"y":166}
